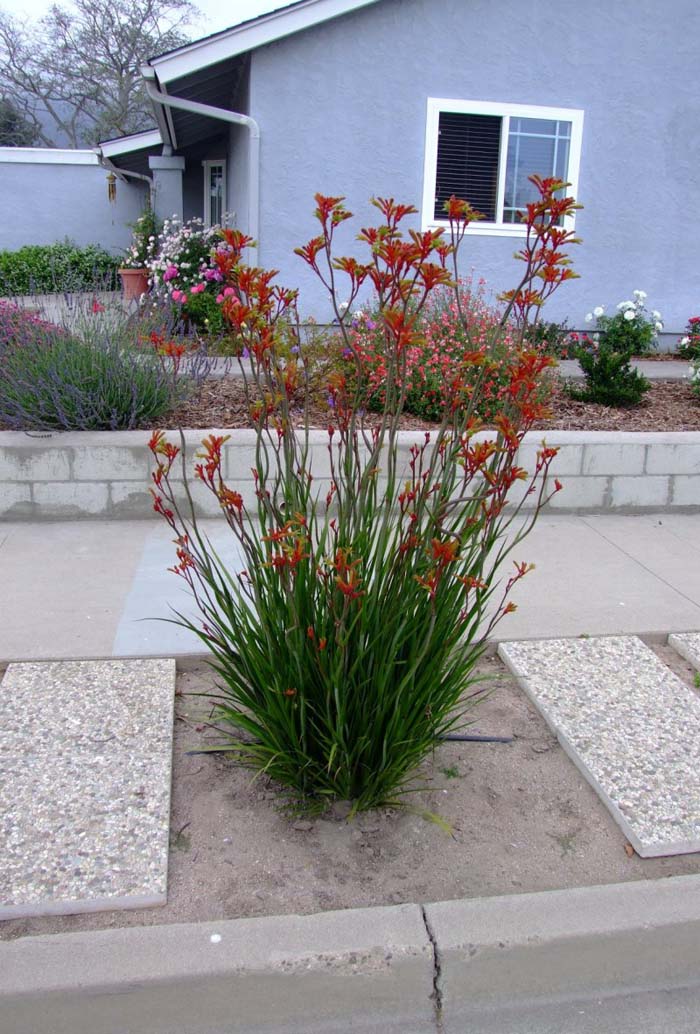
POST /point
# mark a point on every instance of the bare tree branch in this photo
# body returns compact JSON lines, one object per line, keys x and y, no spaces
{"x":74,"y":76}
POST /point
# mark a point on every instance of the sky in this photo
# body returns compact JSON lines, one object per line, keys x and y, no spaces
{"x":216,"y":14}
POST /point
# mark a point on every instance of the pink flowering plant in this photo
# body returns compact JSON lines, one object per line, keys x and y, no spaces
{"x":185,"y":272}
{"x":375,"y":569}
{"x":689,"y":344}
{"x":447,"y":332}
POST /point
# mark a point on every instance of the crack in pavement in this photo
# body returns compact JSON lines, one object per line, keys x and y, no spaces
{"x":437,"y":973}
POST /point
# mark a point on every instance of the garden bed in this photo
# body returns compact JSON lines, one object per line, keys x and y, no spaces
{"x":669,"y":406}
{"x":521,"y":816}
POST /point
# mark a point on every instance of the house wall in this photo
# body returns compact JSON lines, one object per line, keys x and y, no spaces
{"x":342,"y":109}
{"x":50,"y":195}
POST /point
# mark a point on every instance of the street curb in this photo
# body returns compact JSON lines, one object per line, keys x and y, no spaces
{"x":565,"y":944}
{"x":397,"y":969}
{"x":364,"y":969}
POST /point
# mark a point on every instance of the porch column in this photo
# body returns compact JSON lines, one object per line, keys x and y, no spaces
{"x":167,"y":183}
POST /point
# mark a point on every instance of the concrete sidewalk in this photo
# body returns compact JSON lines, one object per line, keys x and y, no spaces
{"x":84,"y":589}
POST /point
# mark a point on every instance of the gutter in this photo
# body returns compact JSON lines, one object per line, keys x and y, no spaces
{"x":167,"y":100}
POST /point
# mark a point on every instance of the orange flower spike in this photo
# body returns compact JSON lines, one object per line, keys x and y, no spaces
{"x":459,"y":211}
{"x":393,"y":213}
{"x":231,"y":499}
{"x":213,"y":444}
{"x":350,"y":586}
{"x":237,"y":240}
{"x":430,"y":582}
{"x":330,"y":208}
{"x":310,"y":250}
{"x":522,"y":568}
{"x":155,"y":441}
{"x":471,"y":583}
{"x":444,"y":552}
{"x":279,"y":534}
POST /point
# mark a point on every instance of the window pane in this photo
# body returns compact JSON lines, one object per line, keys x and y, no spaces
{"x":467,"y":161}
{"x":535,"y":147}
{"x":216,"y":194}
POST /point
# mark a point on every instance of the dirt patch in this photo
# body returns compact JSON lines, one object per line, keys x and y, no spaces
{"x":669,"y":406}
{"x":522,"y":820}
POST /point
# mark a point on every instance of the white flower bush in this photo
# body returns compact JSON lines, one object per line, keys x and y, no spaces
{"x":632,"y":329}
{"x":183,"y":255}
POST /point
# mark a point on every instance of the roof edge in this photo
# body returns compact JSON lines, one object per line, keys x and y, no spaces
{"x":250,"y":35}
{"x":132,"y":142}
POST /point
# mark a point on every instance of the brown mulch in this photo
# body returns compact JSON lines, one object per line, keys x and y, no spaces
{"x":669,"y":406}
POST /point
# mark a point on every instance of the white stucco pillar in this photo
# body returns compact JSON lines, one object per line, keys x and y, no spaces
{"x":167,"y":185}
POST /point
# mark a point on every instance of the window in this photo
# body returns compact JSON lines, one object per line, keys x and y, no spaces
{"x":214,"y":192}
{"x":485,"y":152}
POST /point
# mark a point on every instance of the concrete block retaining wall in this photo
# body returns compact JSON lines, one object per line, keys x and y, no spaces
{"x":107,"y":474}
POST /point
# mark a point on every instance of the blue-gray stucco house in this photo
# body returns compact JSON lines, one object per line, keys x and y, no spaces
{"x":417,"y":99}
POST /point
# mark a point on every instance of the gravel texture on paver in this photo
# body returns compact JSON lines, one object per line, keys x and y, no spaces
{"x":85,"y":769}
{"x":630,"y":725}
{"x":687,"y":644}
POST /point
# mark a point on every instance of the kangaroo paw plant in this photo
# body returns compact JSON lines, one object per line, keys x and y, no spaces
{"x":375,"y":561}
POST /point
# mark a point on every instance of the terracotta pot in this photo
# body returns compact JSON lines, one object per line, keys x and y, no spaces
{"x":134,"y":283}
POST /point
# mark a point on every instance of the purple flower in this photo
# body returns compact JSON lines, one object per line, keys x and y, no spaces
{"x":295,"y":349}
{"x":245,"y":354}
{"x":170,"y":273}
{"x":331,"y":402}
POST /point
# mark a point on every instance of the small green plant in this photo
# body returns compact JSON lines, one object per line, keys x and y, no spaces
{"x":451,"y":772}
{"x":551,"y":338}
{"x":696,"y":679}
{"x":144,"y":240}
{"x":57,"y":268}
{"x":610,"y":380}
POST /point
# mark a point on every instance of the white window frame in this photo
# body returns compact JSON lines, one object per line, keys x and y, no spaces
{"x":436,"y":105}
{"x":207,"y":167}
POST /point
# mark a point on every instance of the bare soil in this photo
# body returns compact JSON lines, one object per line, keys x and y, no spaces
{"x":521,"y":816}
{"x":669,"y":406}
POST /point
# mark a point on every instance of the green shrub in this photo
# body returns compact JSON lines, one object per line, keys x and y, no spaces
{"x":610,"y":380}
{"x":55,"y":268}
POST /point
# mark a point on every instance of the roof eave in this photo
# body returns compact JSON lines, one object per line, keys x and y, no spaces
{"x":249,"y":36}
{"x":127,"y":144}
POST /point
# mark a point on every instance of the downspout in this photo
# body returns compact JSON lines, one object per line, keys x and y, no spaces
{"x":224,"y":115}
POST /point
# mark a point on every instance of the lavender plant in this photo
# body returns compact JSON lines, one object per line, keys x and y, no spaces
{"x":55,"y":379}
